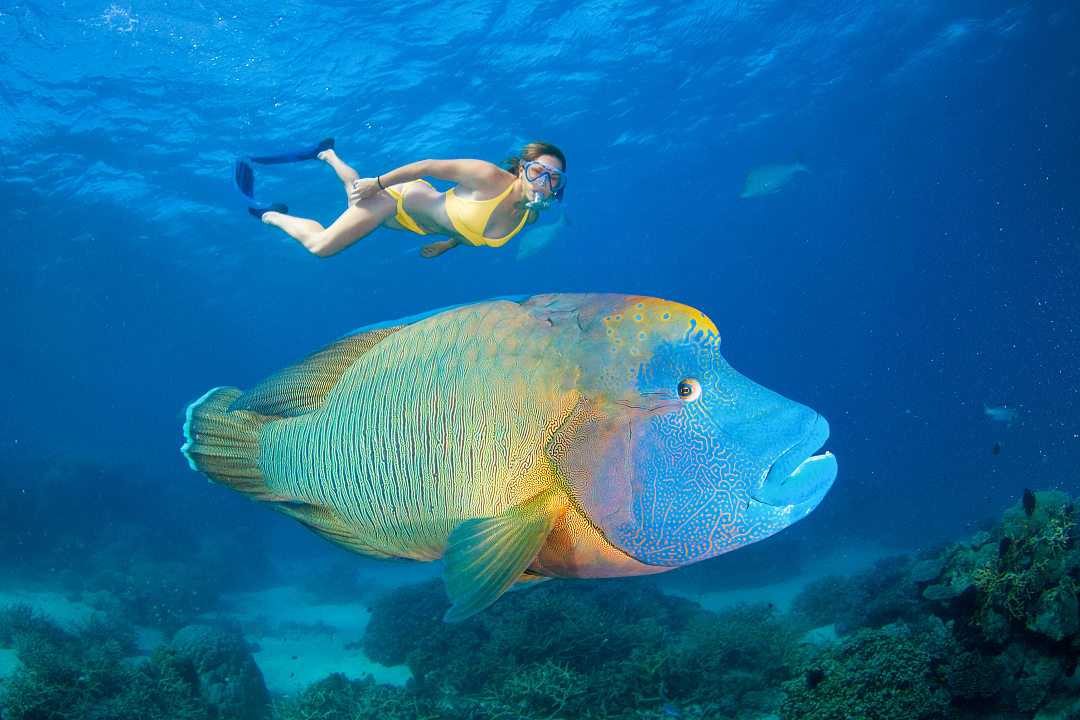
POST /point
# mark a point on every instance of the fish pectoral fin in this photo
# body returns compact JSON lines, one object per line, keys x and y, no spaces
{"x":486,"y":556}
{"x":302,"y":388}
{"x":326,"y":523}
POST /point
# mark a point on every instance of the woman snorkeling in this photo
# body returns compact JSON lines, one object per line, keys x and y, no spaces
{"x":487,"y":206}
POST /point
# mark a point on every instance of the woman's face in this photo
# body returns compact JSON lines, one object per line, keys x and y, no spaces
{"x":544,"y":181}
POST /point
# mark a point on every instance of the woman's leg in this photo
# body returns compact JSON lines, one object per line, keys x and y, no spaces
{"x":356,"y":222}
{"x":344,"y":172}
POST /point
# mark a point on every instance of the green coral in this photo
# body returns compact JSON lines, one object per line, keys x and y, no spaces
{"x":338,"y":698}
{"x":619,"y":649}
{"x":970,"y":675}
{"x":874,"y":597}
{"x":22,"y":620}
{"x":1028,"y":580}
{"x":84,"y":676}
{"x":539,"y":691}
{"x":1029,"y":676}
{"x":885,"y":674}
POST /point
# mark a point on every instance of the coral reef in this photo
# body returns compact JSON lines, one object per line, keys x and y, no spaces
{"x":339,"y":698}
{"x":986,"y":627}
{"x":1007,"y":602}
{"x":619,"y":649}
{"x":150,"y":563}
{"x":875,"y":597}
{"x":91,"y":674}
{"x":84,"y":676}
{"x":226,"y":675}
{"x":878,"y":674}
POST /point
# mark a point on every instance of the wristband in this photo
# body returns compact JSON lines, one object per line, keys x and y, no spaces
{"x":379,"y":181}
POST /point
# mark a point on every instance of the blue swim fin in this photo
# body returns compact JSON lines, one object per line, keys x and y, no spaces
{"x":245,"y":179}
{"x":245,"y":183}
{"x":310,"y":152}
{"x":244,"y":175}
{"x":259,"y":209}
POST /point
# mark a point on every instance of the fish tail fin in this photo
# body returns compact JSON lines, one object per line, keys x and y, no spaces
{"x":224,"y":444}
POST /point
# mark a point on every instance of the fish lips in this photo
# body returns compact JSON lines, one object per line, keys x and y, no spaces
{"x":798,"y":476}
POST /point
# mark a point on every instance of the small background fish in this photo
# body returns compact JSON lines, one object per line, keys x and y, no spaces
{"x":538,"y":238}
{"x":1001,"y":413}
{"x":770,"y":179}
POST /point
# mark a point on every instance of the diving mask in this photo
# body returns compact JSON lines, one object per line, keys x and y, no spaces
{"x":537,"y":172}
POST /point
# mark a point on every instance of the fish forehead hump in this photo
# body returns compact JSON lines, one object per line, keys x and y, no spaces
{"x":624,"y":322}
{"x":610,"y":338}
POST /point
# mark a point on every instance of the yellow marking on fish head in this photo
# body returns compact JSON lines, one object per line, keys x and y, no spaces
{"x":633,"y":329}
{"x":609,"y":338}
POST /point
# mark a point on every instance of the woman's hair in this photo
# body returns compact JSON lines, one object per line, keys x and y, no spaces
{"x":531,"y":151}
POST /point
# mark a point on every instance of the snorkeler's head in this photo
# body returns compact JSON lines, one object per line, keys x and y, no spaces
{"x":542,"y":169}
{"x":533,"y":151}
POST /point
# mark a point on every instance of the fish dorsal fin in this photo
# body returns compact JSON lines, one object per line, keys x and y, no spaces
{"x":486,"y":556}
{"x":301,"y":388}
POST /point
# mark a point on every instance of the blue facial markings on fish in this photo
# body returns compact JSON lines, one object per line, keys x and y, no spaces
{"x":719,"y":472}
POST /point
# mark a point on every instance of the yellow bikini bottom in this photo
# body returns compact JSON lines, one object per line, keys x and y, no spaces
{"x":402,"y":216}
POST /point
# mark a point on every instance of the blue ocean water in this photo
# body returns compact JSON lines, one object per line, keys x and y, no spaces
{"x":926,"y":266}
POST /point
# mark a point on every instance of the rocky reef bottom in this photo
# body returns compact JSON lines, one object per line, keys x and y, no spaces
{"x":983,"y":628}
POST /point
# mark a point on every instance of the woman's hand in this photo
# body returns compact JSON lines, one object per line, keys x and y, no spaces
{"x":437,"y":248}
{"x":362,"y":189}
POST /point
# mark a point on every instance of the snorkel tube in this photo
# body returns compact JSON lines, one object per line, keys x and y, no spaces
{"x":539,"y":201}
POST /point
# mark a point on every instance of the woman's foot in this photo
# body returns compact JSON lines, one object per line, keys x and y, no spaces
{"x":270,"y":216}
{"x":345,"y":173}
{"x":436,"y":248}
{"x":261,"y":211}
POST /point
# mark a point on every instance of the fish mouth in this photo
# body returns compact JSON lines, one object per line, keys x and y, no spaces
{"x":800,"y":475}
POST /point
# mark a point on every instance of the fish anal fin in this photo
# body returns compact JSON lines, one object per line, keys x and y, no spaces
{"x":302,"y":388}
{"x":485,"y":556}
{"x":527,"y":580}
{"x":324,"y":522}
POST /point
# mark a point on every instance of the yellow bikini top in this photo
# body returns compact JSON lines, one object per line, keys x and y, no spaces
{"x":470,"y":217}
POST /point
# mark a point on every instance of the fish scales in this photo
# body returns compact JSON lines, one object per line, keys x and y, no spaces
{"x":558,"y":435}
{"x":410,"y":508}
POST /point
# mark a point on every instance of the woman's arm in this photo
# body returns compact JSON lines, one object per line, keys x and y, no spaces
{"x":472,"y":174}
{"x":439,"y":247}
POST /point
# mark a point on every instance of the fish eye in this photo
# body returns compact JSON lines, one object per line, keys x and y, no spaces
{"x":689,"y":390}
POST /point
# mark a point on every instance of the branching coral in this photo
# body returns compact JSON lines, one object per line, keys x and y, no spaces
{"x":1030,"y":572}
{"x":541,"y":691}
{"x":338,"y":698}
{"x":876,"y":674}
{"x":66,"y":676}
